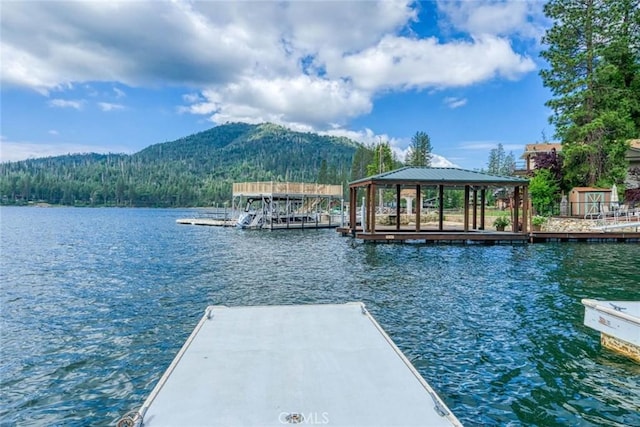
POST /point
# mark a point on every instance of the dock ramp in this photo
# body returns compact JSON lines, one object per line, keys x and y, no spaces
{"x":329,"y":364}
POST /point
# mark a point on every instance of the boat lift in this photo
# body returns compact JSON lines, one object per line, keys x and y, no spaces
{"x":282,"y":205}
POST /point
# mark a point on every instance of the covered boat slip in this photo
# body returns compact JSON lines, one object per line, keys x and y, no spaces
{"x":282,"y":205}
{"x":277,"y":365}
{"x":416,"y":180}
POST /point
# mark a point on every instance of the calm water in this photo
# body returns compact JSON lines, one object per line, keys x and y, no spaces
{"x":95,"y":303}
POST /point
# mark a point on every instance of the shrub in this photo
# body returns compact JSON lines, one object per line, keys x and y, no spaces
{"x":501,"y":221}
{"x":538,"y":220}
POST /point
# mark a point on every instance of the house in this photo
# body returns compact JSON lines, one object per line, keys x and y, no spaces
{"x":532,"y":150}
{"x":530,"y":153}
{"x":633,"y":155}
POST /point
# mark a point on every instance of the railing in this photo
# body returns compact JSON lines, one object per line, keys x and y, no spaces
{"x":589,"y":210}
{"x":271,"y":187}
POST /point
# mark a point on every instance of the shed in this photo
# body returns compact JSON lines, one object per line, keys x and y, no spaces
{"x":588,"y":201}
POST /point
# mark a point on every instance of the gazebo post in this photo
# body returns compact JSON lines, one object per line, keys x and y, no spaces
{"x":353,"y":191}
{"x":466,"y":208}
{"x":525,"y":209}
{"x":418,"y":207}
{"x":516,"y":202}
{"x":398,"y":207}
{"x":374,"y":190}
{"x":483,"y":203}
{"x":440,"y":207}
{"x":475,"y":208}
{"x":372,"y":208}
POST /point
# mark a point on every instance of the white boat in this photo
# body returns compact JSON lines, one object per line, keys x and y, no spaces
{"x":618,"y":323}
{"x":329,"y":364}
{"x":250,"y":219}
{"x":258,"y":219}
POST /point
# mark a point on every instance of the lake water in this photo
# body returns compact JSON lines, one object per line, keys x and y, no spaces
{"x":95,"y":303}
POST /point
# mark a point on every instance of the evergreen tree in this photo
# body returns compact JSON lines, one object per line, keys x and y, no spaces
{"x":419,"y":153}
{"x":383,"y":159}
{"x":501,"y":163}
{"x":323,"y":173}
{"x":594,"y":55}
{"x":197,"y":170}
{"x":509,"y":166}
{"x":361,"y":159}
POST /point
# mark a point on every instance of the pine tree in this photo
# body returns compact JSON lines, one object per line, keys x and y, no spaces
{"x":361,"y":159}
{"x":382,"y":161}
{"x":419,"y":153}
{"x":323,"y":174}
{"x":593,"y":53}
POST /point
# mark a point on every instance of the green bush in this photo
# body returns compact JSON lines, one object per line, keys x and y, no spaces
{"x":501,"y":221}
{"x":544,"y":190}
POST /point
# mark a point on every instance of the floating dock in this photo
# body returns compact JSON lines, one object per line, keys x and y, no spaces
{"x":384,"y":234}
{"x":207,"y":222}
{"x":276,"y":365}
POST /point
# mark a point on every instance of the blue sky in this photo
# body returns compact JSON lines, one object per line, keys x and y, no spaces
{"x":110,"y":76}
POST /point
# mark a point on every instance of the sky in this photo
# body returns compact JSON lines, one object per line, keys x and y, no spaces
{"x":118,"y":76}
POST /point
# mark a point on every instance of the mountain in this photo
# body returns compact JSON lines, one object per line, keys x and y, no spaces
{"x":196,"y":170}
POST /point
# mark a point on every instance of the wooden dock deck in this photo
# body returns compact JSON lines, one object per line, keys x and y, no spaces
{"x":445,"y":237}
{"x":593,"y":237}
{"x":489,"y":237}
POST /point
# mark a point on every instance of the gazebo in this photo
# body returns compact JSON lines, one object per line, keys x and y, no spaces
{"x":417,"y":179}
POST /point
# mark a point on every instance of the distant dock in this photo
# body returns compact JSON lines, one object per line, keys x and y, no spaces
{"x":208,"y":222}
{"x":278,"y":206}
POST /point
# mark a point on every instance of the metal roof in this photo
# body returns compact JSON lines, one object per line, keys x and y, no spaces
{"x":438,"y":176}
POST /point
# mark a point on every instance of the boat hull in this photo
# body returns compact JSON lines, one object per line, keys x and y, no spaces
{"x":618,"y":323}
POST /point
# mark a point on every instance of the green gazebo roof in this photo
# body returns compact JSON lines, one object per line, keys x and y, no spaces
{"x":437,"y":176}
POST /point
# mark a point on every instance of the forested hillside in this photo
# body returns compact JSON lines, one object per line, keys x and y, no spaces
{"x":197,"y":170}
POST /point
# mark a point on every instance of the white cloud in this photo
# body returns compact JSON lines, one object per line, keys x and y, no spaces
{"x":366,"y":136}
{"x":441,"y":162}
{"x":401,"y":63}
{"x":522,"y":18}
{"x":108,"y":106}
{"x":67,"y":103}
{"x":119,"y":92}
{"x":192,"y":98}
{"x":301,"y":99}
{"x":398,"y":146}
{"x":453,"y":102}
{"x":53,"y":132}
{"x":307,"y":65}
{"x":489,"y":145}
